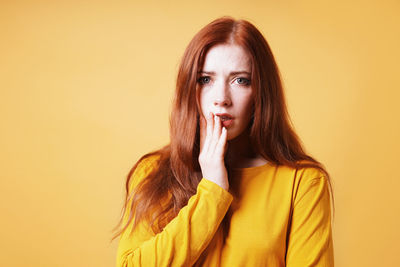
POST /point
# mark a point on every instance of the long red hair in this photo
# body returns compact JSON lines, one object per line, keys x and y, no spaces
{"x":177,"y":174}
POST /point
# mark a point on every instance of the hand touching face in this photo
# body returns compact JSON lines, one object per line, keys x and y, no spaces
{"x":212,"y":150}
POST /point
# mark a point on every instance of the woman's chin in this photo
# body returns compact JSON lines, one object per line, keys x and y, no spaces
{"x":237,"y":134}
{"x":230,"y":136}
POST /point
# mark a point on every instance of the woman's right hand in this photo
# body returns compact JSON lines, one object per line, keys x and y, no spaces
{"x":213,"y":146}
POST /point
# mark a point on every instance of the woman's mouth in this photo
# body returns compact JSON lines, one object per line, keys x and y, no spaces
{"x":226,"y":119}
{"x":226,"y":123}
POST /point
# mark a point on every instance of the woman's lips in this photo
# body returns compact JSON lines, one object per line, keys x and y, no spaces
{"x":227,"y":123}
{"x":226,"y":119}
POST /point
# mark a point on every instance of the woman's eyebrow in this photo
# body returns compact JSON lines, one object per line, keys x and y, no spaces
{"x":232,"y":73}
{"x":240,"y":72}
{"x":207,"y":72}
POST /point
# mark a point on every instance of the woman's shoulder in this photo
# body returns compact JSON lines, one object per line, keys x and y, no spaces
{"x":142,"y":169}
{"x":311,"y":171}
{"x":305,"y":171}
{"x":311,"y":176}
{"x":148,"y":161}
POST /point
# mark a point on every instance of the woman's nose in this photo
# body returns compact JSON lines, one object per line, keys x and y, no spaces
{"x":221,"y":97}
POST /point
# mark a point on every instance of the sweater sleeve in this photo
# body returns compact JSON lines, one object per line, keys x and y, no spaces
{"x":184,"y":238}
{"x":310,"y":237}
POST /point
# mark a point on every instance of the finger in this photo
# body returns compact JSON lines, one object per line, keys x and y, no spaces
{"x":217,"y":127}
{"x":210,"y":125}
{"x":216,"y":132}
{"x":203,"y":130}
{"x":221,"y":146}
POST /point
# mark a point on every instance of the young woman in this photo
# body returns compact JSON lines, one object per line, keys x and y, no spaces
{"x":234,"y":187}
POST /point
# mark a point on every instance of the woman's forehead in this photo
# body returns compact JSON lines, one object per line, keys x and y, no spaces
{"x":227,"y":58}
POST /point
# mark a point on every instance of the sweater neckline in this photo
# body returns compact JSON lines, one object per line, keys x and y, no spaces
{"x":251,"y":170}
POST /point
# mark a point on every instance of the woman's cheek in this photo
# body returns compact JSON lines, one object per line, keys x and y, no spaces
{"x":205,"y":106}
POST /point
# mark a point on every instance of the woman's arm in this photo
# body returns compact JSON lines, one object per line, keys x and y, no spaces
{"x":184,"y":238}
{"x":310,"y":238}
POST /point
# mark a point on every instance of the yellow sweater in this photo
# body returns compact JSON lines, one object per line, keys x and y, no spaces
{"x":273,"y":216}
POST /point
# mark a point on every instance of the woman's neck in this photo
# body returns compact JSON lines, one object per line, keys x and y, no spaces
{"x":241,"y":154}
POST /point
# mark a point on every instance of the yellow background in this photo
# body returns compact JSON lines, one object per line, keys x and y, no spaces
{"x":86,"y":86}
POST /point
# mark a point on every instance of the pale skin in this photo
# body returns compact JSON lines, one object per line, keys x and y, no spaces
{"x":225,"y":88}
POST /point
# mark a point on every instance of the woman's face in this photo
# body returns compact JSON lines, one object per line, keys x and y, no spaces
{"x":225,"y":87}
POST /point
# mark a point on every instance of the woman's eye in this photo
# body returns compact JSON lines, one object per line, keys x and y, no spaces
{"x":243,"y":81}
{"x":204,"y":80}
